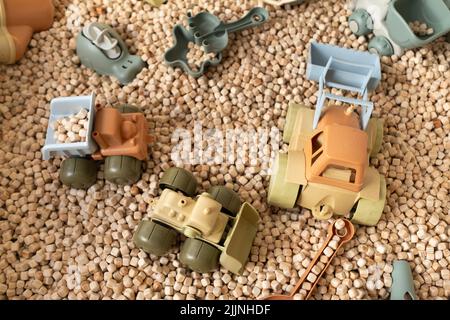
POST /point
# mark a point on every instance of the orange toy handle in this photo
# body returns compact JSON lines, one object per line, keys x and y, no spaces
{"x":337,"y":233}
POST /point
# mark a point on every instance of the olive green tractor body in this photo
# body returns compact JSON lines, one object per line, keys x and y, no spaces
{"x":327,"y":169}
{"x":217,"y":226}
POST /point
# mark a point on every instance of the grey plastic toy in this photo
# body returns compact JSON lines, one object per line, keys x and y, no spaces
{"x":177,"y":55}
{"x":389,"y":21}
{"x":212,"y":33}
{"x":206,"y":30}
{"x":100,"y":48}
{"x":343,"y":69}
{"x":402,"y":282}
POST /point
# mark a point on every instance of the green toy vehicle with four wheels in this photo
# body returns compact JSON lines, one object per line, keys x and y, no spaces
{"x":219,"y":228}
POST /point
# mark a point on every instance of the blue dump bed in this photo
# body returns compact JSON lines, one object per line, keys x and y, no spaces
{"x":348,"y":68}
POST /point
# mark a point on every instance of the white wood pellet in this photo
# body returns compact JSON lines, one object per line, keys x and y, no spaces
{"x":70,"y":129}
{"x":420,"y":28}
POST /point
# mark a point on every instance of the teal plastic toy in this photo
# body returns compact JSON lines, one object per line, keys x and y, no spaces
{"x":389,"y":21}
{"x":402,"y":282}
{"x":207,"y":31}
{"x":101,"y":49}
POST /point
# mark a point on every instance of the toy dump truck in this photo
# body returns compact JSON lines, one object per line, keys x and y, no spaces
{"x":217,"y":226}
{"x":327,"y":167}
{"x":117,"y":135}
{"x":389,"y":21}
{"x":19,"y":19}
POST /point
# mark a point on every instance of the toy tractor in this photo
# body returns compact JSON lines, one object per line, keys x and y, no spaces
{"x":217,"y":226}
{"x":389,"y":21}
{"x":327,"y":167}
{"x":117,"y":135}
{"x":18,"y":20}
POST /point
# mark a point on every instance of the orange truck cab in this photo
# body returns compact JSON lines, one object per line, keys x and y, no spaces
{"x":121,"y":134}
{"x":337,"y":151}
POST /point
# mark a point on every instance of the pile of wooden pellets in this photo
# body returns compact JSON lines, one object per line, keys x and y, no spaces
{"x":196,"y":56}
{"x":62,"y":243}
{"x":72,"y":128}
{"x":421,"y":28}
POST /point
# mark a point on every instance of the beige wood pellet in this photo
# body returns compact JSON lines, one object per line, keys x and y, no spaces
{"x":72,"y":128}
{"x":328,"y":252}
{"x":339,"y":224}
{"x":333,"y":244}
{"x":420,"y":28}
{"x":196,"y":56}
{"x":311,"y":277}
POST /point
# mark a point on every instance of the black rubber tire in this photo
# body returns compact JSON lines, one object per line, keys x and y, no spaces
{"x":122,"y":170}
{"x":178,"y":179}
{"x":154,"y":238}
{"x":199,"y":255}
{"x":78,"y":173}
{"x":230,"y":201}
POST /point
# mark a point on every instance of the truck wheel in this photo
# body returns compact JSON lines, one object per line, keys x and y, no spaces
{"x":381,"y":45}
{"x":290,"y":121}
{"x":230,"y":201}
{"x":322,"y":212}
{"x":78,"y":173}
{"x":368,"y":212}
{"x":281,"y":193}
{"x":360,"y":22}
{"x":178,"y":179}
{"x":199,"y":255}
{"x":377,"y":142}
{"x":126,"y":108}
{"x":122,"y":170}
{"x":154,"y":238}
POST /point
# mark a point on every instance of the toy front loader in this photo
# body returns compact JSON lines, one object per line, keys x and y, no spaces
{"x":239,"y":240}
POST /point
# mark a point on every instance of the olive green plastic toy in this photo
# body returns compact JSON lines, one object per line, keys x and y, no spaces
{"x":402,"y":282}
{"x":207,"y":31}
{"x":101,"y":49}
{"x":218,"y":227}
{"x":389,"y":21}
{"x":327,"y":169}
